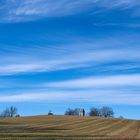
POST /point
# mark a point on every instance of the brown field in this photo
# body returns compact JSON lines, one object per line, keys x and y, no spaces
{"x":69,"y":128}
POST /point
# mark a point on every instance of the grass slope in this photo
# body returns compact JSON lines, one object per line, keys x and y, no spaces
{"x":68,"y":127}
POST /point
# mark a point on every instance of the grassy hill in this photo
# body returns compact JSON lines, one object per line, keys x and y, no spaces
{"x":68,"y":127}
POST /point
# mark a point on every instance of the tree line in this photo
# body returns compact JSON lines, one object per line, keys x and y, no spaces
{"x":100,"y":112}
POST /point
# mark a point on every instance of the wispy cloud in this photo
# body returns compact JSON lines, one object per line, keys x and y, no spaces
{"x":124,"y":25}
{"x":74,"y":60}
{"x":18,"y":10}
{"x":105,"y":81}
{"x":118,"y":3}
{"x":81,"y":55}
{"x":100,"y":96}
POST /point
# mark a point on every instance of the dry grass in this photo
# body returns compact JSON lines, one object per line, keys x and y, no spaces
{"x":69,"y":128}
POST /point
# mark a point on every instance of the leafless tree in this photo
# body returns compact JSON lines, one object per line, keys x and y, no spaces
{"x":106,"y":112}
{"x":94,"y":112}
{"x":9,"y":112}
{"x":72,"y":112}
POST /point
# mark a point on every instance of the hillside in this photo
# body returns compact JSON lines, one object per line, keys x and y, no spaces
{"x":68,"y":127}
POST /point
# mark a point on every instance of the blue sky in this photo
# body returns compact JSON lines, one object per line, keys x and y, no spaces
{"x":60,"y":54}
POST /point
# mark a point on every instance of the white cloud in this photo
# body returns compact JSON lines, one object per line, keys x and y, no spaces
{"x":104,"y":55}
{"x":19,"y":68}
{"x":105,"y":81}
{"x":19,"y":10}
{"x":118,"y":3}
{"x":100,"y":96}
{"x":83,"y":59}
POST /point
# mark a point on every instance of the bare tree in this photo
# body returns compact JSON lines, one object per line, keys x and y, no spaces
{"x":13,"y":111}
{"x":94,"y":112}
{"x":5,"y":113}
{"x":9,"y":112}
{"x":106,"y":112}
{"x":72,"y":112}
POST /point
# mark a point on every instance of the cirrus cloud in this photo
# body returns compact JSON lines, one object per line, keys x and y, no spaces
{"x":27,"y":10}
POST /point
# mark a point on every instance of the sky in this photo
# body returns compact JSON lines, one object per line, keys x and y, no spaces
{"x":64,"y":54}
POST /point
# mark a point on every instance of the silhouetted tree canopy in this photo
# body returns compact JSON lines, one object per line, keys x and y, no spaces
{"x":106,"y":112}
{"x":103,"y":112}
{"x":73,"y":112}
{"x":9,"y":112}
{"x":94,"y":112}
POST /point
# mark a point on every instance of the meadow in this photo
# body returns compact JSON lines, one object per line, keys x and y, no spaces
{"x":68,"y":128}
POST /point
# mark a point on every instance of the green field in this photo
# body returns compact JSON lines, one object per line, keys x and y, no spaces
{"x":68,"y":127}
